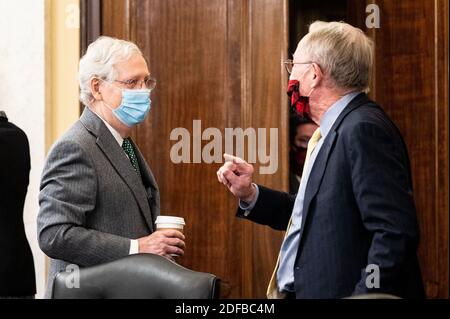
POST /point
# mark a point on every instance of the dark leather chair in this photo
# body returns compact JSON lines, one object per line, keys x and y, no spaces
{"x":374,"y":296}
{"x":142,"y":276}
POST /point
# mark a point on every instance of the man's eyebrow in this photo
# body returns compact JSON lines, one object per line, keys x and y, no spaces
{"x":136,"y":76}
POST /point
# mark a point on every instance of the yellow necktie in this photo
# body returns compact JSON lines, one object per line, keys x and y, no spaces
{"x":272,"y":289}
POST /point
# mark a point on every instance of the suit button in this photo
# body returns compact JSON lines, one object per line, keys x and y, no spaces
{"x":299,"y":266}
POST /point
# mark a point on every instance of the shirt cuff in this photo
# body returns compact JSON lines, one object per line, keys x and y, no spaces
{"x":134,"y":247}
{"x":247,"y":207}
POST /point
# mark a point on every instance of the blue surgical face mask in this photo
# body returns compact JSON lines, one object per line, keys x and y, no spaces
{"x":134,"y":108}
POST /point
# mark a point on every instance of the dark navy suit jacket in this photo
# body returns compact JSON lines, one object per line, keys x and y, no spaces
{"x":358,"y":211}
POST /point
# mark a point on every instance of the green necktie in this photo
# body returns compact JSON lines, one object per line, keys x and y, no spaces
{"x":129,"y":150}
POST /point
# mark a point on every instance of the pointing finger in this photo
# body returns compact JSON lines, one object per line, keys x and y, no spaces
{"x":233,"y":159}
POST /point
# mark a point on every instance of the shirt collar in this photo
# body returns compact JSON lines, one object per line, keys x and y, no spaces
{"x":113,"y":131}
{"x":333,"y":113}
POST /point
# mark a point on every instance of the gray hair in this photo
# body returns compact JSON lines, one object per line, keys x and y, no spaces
{"x":100,"y":61}
{"x":343,"y":52}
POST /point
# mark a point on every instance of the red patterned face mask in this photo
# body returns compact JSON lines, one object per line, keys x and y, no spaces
{"x":299,"y":103}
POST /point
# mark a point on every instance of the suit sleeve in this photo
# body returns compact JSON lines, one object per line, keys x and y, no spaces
{"x":273,"y":209}
{"x":383,"y":192}
{"x":68,"y":194}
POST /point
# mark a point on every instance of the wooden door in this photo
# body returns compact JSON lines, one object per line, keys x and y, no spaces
{"x":411,"y":83}
{"x":218,"y":62}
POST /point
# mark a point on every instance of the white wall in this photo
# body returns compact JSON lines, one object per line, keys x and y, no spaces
{"x":23,"y":97}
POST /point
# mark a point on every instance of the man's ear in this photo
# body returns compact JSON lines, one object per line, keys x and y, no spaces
{"x":317,"y":75}
{"x":95,"y":89}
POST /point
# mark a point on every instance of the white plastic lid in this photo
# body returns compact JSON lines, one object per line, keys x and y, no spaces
{"x":170,"y":220}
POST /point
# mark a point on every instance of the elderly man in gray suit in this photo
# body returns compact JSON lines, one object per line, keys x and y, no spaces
{"x":98,"y":198}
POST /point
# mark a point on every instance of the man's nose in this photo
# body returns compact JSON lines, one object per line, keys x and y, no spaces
{"x":142,"y":85}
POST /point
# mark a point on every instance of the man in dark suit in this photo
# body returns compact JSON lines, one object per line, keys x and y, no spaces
{"x":17,"y":277}
{"x":352,"y":227}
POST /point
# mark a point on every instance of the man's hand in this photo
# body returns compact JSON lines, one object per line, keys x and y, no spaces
{"x":237,"y":174}
{"x":164,"y":243}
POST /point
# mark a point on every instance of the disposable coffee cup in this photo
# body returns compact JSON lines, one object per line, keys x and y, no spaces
{"x":170,"y":222}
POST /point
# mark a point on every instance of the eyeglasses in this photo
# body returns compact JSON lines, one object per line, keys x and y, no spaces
{"x":133,"y":84}
{"x":289,"y":65}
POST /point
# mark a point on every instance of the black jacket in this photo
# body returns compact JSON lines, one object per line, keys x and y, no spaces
{"x":17,"y":276}
{"x":358,"y":210}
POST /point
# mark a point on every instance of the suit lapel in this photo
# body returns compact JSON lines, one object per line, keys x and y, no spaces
{"x":118,"y":160}
{"x":320,"y":164}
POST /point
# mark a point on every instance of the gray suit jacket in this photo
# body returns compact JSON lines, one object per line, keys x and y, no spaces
{"x":91,"y":200}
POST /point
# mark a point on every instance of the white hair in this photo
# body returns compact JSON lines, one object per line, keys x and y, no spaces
{"x":100,"y":61}
{"x":343,"y":52}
